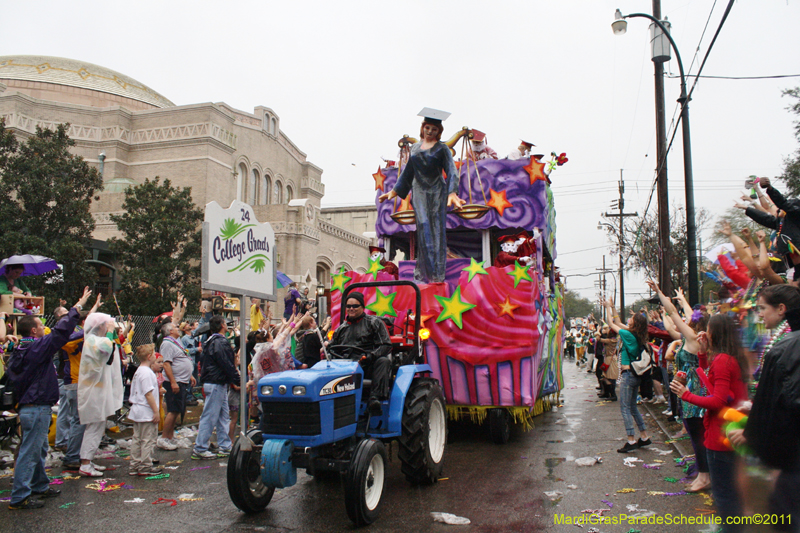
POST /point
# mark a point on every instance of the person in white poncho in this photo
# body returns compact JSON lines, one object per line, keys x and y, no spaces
{"x":99,"y":386}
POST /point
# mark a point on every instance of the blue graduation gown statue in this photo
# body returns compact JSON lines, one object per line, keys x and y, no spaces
{"x":423,"y":176}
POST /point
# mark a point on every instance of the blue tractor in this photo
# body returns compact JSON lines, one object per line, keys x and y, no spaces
{"x":317,"y":419}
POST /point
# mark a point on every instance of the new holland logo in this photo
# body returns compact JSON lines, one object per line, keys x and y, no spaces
{"x":342,"y":384}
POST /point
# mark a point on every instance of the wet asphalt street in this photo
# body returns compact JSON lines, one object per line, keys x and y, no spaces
{"x":499,"y":488}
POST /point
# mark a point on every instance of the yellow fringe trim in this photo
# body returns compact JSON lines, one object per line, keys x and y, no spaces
{"x":521,"y":415}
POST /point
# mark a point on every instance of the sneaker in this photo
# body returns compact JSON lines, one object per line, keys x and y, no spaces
{"x":98,"y":467}
{"x":642,"y":443}
{"x":223,"y":453}
{"x":660,"y":399}
{"x":49,"y":493}
{"x":133,"y":472}
{"x":668,"y":412}
{"x":203,"y":455}
{"x":166,"y":444}
{"x":89,"y":471}
{"x":212,"y":447}
{"x":27,"y":503}
{"x":629,"y":447}
{"x":150,"y":471}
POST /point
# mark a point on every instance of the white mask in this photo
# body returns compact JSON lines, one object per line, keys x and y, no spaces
{"x":376,"y":256}
{"x":509,"y":247}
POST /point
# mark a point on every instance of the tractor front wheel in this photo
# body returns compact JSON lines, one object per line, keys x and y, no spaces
{"x":365,"y":482}
{"x":245,"y":487}
{"x":422,"y":443}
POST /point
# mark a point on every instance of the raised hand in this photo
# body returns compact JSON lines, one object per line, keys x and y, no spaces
{"x":85,"y":297}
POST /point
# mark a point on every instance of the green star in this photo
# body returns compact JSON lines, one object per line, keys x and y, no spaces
{"x":474,"y":268}
{"x":374,"y":267}
{"x":519,"y":273}
{"x":453,"y":308}
{"x":383,"y":304}
{"x":338,"y":281}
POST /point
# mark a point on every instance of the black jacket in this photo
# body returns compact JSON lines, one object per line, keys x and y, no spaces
{"x":791,"y":222}
{"x":218,"y":359}
{"x":368,"y":333}
{"x":773,"y":427}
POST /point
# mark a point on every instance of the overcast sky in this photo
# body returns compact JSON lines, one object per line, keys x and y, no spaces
{"x":348,"y":78}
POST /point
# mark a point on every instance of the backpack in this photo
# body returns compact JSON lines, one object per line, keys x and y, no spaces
{"x":642,"y":366}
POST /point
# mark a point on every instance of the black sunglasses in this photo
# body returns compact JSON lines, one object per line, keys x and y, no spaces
{"x":352,"y":306}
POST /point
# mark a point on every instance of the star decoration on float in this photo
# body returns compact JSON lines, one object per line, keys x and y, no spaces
{"x":519,"y":273}
{"x":474,"y":268}
{"x":453,"y":308}
{"x":339,"y":280}
{"x":458,"y":164}
{"x":535,"y":170}
{"x":379,"y":177}
{"x":383,"y":304}
{"x":499,"y":201}
{"x":374,"y":267}
{"x":507,"y":308}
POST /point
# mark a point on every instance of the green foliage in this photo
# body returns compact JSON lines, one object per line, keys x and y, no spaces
{"x":160,"y":248}
{"x":45,"y":197}
{"x":791,"y":170}
{"x":576,"y":306}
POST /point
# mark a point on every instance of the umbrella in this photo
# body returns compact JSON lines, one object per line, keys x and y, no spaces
{"x":162,"y":315}
{"x":283,"y":280}
{"x":35,"y":265}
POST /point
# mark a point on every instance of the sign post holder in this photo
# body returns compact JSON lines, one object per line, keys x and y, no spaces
{"x":239,"y":258}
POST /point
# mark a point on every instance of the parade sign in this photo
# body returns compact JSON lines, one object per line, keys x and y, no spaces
{"x":238,"y":252}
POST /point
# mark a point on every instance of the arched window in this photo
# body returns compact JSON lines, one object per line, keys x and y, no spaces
{"x":252,"y":188}
{"x":323,"y":274}
{"x":274,"y":126}
{"x":266,"y":190}
{"x":241,"y":186}
{"x":289,"y":193}
{"x":278,"y":192}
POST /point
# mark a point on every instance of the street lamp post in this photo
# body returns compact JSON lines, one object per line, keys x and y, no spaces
{"x":620,"y":26}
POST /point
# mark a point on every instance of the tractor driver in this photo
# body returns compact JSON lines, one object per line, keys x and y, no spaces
{"x":368,"y":333}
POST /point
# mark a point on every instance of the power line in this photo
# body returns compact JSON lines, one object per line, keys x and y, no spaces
{"x":777,"y":76}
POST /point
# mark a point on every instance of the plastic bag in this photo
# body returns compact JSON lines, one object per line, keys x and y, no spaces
{"x":451,"y":519}
{"x":587,"y":461}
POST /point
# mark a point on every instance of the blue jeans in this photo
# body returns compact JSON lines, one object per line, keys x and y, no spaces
{"x":29,"y":474}
{"x":215,"y":415}
{"x":62,"y":423}
{"x":722,"y":467}
{"x":628,"y":391}
{"x":69,"y":407}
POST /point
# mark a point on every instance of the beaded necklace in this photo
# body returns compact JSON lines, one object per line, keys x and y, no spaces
{"x":782,"y":329}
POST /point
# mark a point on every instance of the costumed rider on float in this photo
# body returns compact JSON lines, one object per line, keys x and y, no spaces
{"x":509,"y":246}
{"x":376,"y":253}
{"x":368,"y":333}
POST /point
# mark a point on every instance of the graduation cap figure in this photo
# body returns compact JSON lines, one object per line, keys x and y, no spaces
{"x":433,"y":116}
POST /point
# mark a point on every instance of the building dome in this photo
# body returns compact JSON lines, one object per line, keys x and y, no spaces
{"x":69,"y":80}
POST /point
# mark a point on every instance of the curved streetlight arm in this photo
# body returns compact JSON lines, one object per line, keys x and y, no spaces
{"x":674,"y":47}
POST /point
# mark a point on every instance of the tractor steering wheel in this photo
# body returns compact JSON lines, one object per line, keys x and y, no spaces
{"x":345,"y":351}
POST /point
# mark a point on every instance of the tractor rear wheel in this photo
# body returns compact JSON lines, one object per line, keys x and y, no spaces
{"x":365,"y":482}
{"x":499,"y":426}
{"x":422,"y":443}
{"x":245,"y":487}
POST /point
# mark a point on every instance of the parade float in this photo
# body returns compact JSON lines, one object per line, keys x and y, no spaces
{"x":495,"y":331}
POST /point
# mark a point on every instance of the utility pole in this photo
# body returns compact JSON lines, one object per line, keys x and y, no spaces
{"x":602,"y":273}
{"x":621,"y":215}
{"x":664,"y":255}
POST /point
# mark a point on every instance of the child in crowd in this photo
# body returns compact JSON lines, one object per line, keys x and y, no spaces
{"x":145,"y":414}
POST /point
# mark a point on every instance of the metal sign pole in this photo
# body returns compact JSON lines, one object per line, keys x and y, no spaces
{"x":245,"y":444}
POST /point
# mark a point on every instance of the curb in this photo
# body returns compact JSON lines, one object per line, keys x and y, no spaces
{"x":680,"y":445}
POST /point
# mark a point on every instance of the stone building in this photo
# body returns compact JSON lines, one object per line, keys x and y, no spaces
{"x":130,"y":132}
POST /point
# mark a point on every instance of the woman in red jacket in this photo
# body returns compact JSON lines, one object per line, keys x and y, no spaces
{"x":726,"y":373}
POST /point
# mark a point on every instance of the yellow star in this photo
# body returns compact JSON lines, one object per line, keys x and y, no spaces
{"x":499,"y":201}
{"x":379,"y":176}
{"x":383,"y":304}
{"x":374,"y":267}
{"x":474,"y":268}
{"x":339,"y":280}
{"x":453,"y":308}
{"x":535,"y":170}
{"x":519,"y":273}
{"x":507,"y":308}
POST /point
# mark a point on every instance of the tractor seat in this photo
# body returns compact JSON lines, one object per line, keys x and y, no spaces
{"x":366,"y":387}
